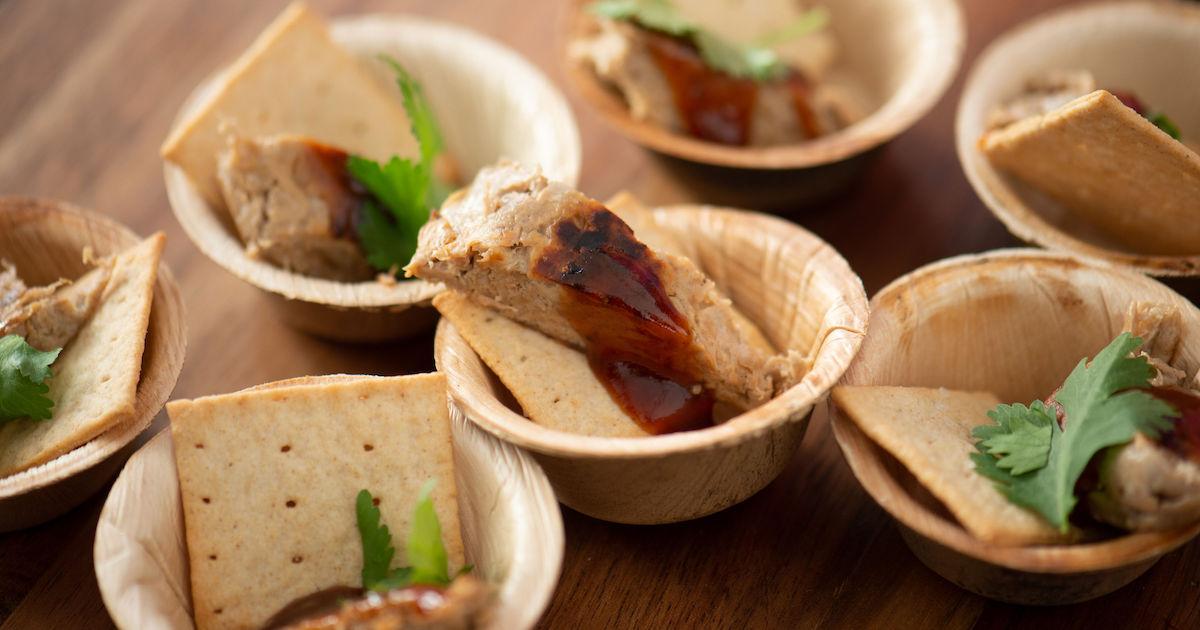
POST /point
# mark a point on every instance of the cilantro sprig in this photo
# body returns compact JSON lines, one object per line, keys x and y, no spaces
{"x":1161,"y":121}
{"x":24,"y":371}
{"x":747,"y":61}
{"x":425,"y":552}
{"x":1102,"y":406}
{"x":404,"y":191}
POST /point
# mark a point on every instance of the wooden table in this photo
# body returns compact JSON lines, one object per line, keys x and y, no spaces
{"x":90,"y":88}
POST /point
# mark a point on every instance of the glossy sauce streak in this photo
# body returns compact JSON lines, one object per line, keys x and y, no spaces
{"x":1185,"y":438}
{"x":323,"y":602}
{"x":716,"y":106}
{"x":341,"y":193}
{"x":638,"y":344}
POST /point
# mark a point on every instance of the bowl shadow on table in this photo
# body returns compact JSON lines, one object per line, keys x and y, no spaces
{"x":779,"y":191}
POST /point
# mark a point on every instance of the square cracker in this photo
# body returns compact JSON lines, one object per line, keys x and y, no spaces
{"x":1110,"y":166}
{"x":95,"y":378}
{"x":929,"y":431}
{"x":293,"y":79}
{"x":243,"y":457}
{"x":553,"y":382}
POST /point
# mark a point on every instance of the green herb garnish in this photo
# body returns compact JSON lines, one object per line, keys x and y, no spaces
{"x":753,"y":61}
{"x":1037,"y":469}
{"x":23,"y":374}
{"x":1161,"y":121}
{"x":406,"y":191}
{"x":426,"y":554}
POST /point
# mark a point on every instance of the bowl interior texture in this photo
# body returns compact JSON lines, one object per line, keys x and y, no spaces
{"x":897,"y":56}
{"x":45,"y":240}
{"x":1133,"y":46}
{"x":511,"y":528}
{"x":489,"y":103}
{"x":795,"y":287}
{"x":1014,"y":323}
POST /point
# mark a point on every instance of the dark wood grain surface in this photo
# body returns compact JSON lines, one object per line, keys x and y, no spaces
{"x":89,"y":89}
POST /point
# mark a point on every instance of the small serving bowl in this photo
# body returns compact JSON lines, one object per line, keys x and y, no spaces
{"x":1014,"y":323}
{"x":1126,"y":45}
{"x":45,"y":239}
{"x":511,"y":527}
{"x":490,"y":103}
{"x":793,"y":285}
{"x":903,"y":53}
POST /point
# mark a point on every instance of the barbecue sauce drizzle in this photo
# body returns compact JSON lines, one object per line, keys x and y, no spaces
{"x":637,"y":343}
{"x":716,"y":106}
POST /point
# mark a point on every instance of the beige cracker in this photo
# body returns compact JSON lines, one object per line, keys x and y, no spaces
{"x":268,"y":479}
{"x":929,"y":431}
{"x":96,"y":377}
{"x":294,"y":79}
{"x":1111,"y":166}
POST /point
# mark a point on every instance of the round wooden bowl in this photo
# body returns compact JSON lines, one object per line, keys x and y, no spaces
{"x":45,"y":240}
{"x":903,"y":54}
{"x":1014,"y":323}
{"x":1126,"y":45}
{"x":793,"y":285}
{"x":511,"y":528}
{"x":490,"y":103}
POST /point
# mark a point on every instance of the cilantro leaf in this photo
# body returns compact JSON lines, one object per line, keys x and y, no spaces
{"x":1020,"y":439}
{"x":743,"y":61}
{"x":1102,"y":408}
{"x":426,"y":553}
{"x":810,"y":21}
{"x":377,"y":547}
{"x":1161,"y":121}
{"x":420,"y":114}
{"x":23,"y":374}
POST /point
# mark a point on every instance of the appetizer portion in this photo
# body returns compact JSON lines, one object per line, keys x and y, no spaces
{"x":1106,"y":156}
{"x":287,"y":144}
{"x":293,"y":492}
{"x":1115,"y":448}
{"x":690,"y":66}
{"x":655,"y":332}
{"x":71,"y":354}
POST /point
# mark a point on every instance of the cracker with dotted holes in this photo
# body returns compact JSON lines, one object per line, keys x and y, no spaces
{"x":95,"y":381}
{"x":552,"y":381}
{"x":268,"y":479}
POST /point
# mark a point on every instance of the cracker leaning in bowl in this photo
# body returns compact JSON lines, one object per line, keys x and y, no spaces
{"x":1086,"y":478}
{"x":294,"y":520}
{"x":325,"y":165}
{"x":616,"y":344}
{"x":91,"y":338}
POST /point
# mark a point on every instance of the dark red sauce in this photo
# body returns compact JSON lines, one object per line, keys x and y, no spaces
{"x":716,"y":106}
{"x":341,"y":193}
{"x":323,"y":602}
{"x":638,"y":344}
{"x":1184,"y":439}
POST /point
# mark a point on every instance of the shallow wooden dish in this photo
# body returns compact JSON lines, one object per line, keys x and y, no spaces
{"x":45,"y":239}
{"x":1127,"y":45}
{"x":792,"y":284}
{"x":490,"y":103}
{"x":974,"y":323}
{"x":511,"y":525}
{"x":904,"y":54}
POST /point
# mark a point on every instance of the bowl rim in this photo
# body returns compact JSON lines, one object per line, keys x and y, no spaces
{"x":791,"y":406}
{"x":153,"y":389}
{"x":514,"y":459}
{"x":866,"y":459}
{"x":881,"y":125}
{"x":195,"y":215}
{"x":992,"y":187}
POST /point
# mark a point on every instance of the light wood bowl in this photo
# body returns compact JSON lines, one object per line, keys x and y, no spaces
{"x":45,"y":240}
{"x":903,"y":53}
{"x":1126,"y":45}
{"x":1015,"y":323}
{"x":511,"y":528}
{"x":799,"y":291}
{"x":490,"y":103}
